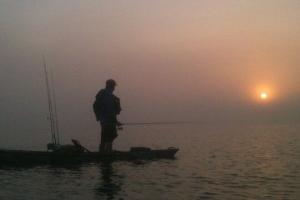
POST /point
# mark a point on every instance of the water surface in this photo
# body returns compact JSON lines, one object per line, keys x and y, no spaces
{"x":224,"y":162}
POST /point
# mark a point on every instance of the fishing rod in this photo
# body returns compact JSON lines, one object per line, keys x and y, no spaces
{"x":49,"y":102}
{"x":55,"y":109}
{"x":157,"y":123}
{"x":52,"y":116}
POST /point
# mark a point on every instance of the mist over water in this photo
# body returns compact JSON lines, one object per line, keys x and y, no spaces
{"x":172,"y":60}
{"x":201,"y":61}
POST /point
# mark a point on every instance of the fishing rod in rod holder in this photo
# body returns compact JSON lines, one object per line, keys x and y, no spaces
{"x":53,"y":118}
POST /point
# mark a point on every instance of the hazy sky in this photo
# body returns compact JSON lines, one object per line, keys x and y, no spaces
{"x":200,"y":60}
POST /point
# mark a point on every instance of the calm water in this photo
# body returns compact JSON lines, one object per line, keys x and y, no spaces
{"x":253,"y":162}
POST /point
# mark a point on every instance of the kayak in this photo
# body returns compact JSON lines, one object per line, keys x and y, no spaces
{"x":20,"y":157}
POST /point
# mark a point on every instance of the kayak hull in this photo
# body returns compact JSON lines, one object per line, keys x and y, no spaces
{"x":19,"y":158}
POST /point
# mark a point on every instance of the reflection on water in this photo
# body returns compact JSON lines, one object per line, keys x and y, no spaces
{"x":233,"y":163}
{"x":108,"y":186}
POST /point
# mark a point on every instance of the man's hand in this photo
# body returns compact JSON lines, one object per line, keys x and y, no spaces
{"x":120,"y":125}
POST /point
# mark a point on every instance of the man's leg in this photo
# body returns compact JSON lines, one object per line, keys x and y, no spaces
{"x":102,"y":141}
{"x":102,"y":146}
{"x":113,"y":134}
{"x":109,"y":146}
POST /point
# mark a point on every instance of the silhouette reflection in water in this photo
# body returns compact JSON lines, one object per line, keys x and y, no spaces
{"x":110,"y":184}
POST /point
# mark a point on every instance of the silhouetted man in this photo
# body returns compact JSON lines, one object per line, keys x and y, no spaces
{"x":106,"y":108}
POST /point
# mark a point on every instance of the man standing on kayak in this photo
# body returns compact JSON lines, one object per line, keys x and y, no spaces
{"x":107,"y":107}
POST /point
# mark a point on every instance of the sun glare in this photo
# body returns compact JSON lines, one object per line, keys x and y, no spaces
{"x":263,"y":95}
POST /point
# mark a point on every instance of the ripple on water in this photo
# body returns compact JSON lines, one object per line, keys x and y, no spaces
{"x":231,"y":163}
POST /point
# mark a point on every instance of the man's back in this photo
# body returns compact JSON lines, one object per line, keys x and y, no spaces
{"x":107,"y":106}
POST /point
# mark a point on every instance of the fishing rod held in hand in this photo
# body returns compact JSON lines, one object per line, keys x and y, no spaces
{"x":158,"y":123}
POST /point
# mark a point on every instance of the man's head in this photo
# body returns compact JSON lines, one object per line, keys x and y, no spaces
{"x":111,"y":84}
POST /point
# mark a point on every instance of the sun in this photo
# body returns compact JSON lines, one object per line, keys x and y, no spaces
{"x":264,"y":95}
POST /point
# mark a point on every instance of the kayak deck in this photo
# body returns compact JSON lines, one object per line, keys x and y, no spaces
{"x":19,"y":157}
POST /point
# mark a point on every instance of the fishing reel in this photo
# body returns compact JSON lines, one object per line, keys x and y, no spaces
{"x":119,"y":125}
